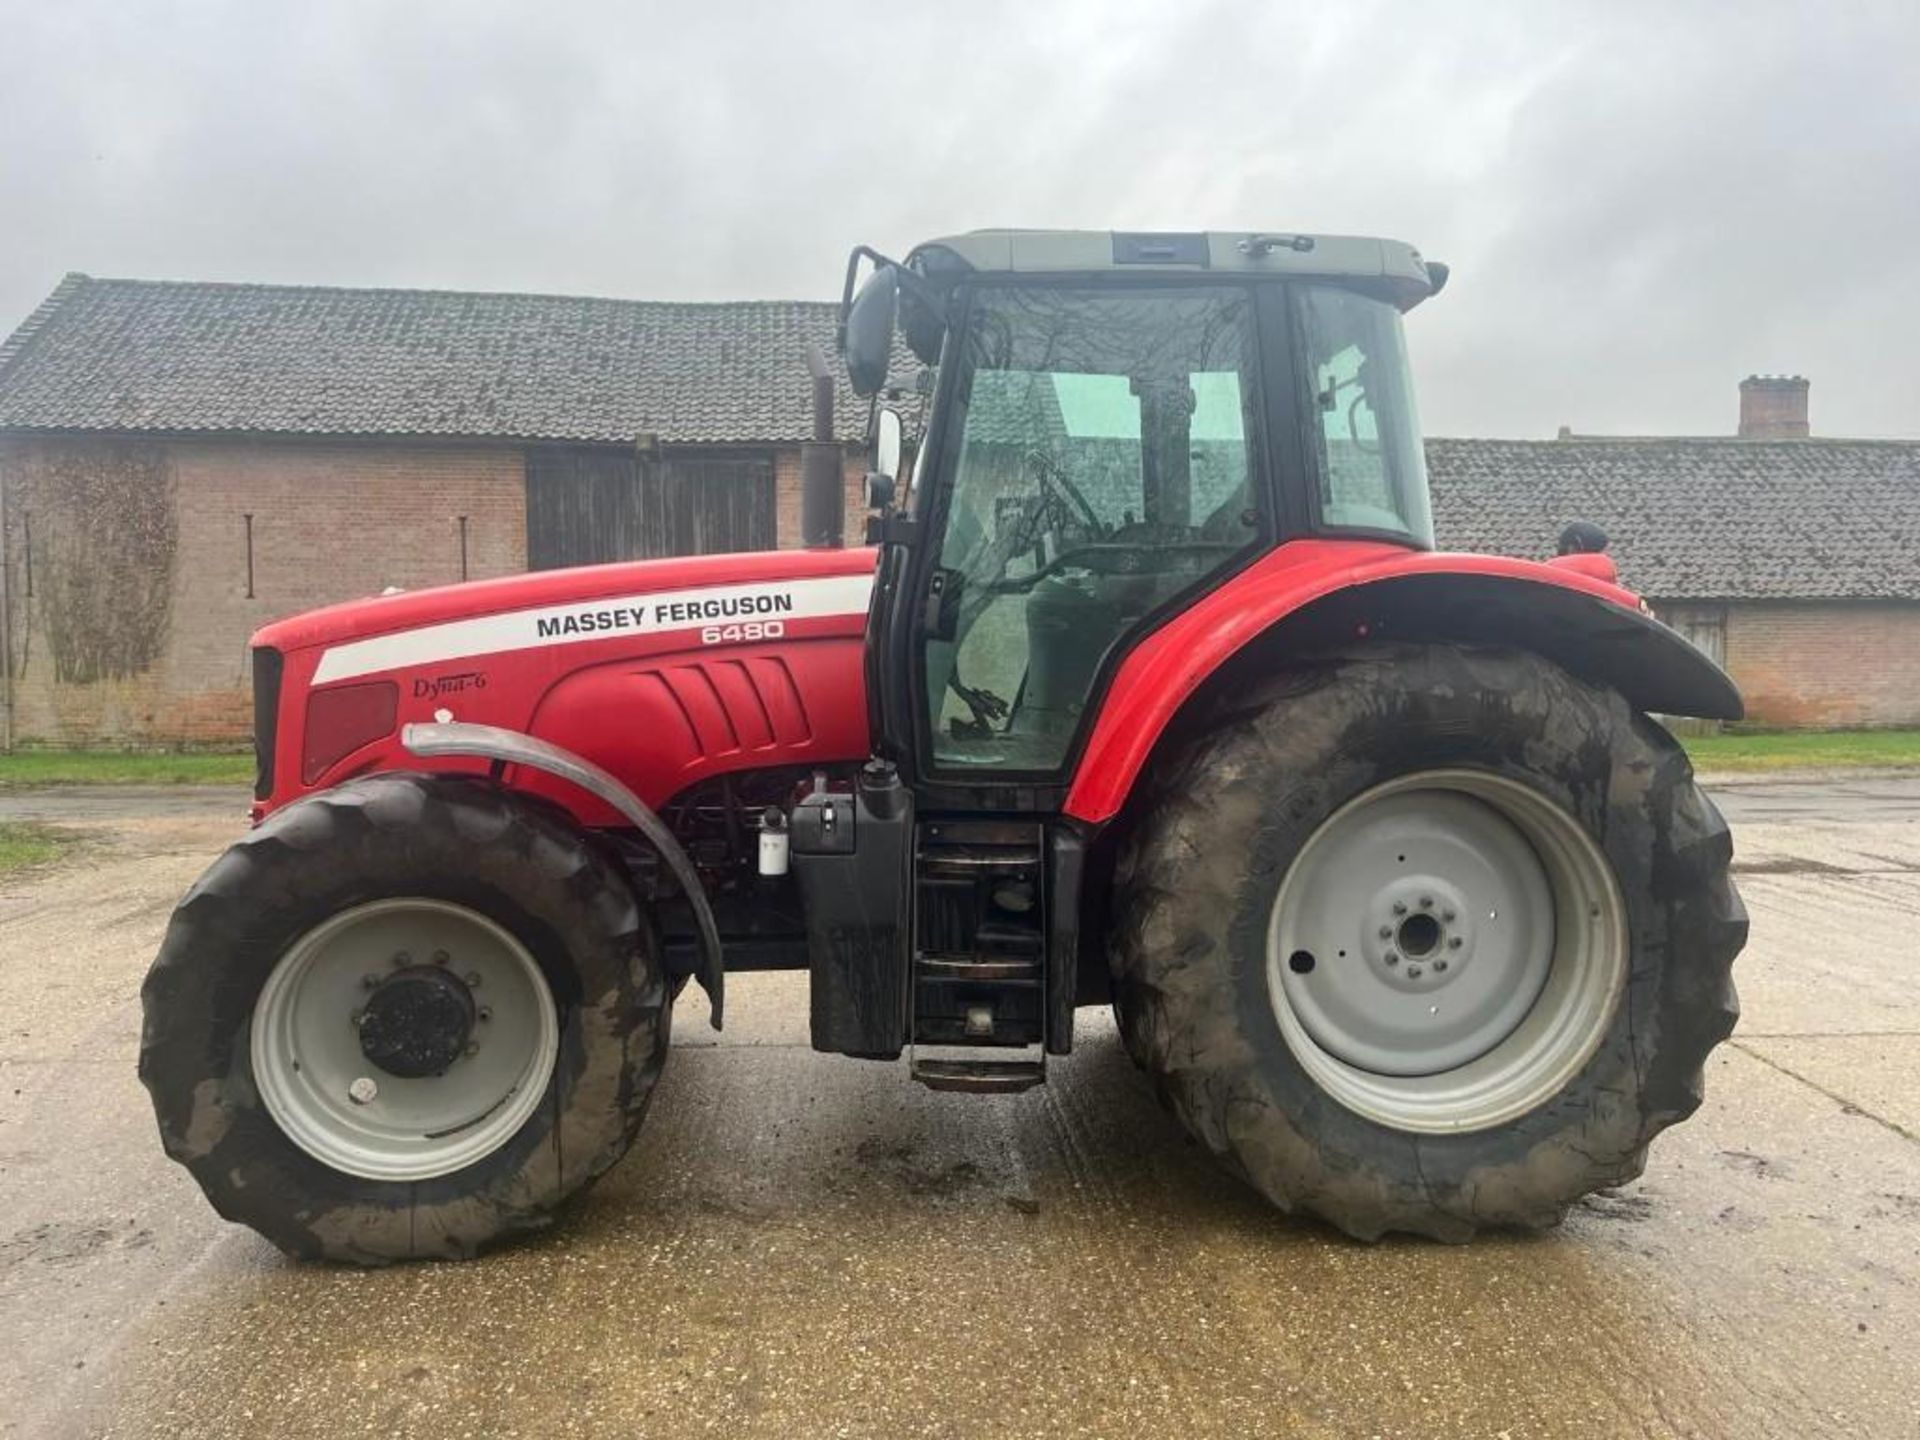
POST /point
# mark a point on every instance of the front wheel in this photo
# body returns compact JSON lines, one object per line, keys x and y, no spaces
{"x":406,"y":1017}
{"x":1428,"y":938}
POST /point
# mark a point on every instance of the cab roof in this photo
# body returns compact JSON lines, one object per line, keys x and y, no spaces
{"x":1390,"y":265}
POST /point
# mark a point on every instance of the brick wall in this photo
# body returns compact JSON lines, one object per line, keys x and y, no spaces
{"x":1809,"y":664}
{"x":786,"y":497}
{"x":144,"y":546}
{"x":330,"y":521}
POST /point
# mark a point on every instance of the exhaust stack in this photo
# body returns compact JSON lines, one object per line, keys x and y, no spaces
{"x":823,"y":491}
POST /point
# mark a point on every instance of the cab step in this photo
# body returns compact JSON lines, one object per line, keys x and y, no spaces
{"x":980,"y":1069}
{"x":980,"y":1077}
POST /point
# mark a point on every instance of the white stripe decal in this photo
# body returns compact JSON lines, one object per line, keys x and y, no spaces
{"x":585,"y":620}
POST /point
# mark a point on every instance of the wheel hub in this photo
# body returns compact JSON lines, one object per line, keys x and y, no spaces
{"x":1420,"y":932}
{"x":418,"y":1021}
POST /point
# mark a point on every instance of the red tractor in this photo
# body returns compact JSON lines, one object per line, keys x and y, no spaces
{"x":1151,"y":690}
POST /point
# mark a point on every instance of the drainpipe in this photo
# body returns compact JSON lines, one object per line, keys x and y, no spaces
{"x":823,"y":491}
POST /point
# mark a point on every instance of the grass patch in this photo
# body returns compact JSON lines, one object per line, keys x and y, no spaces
{"x":118,"y":767}
{"x":1805,"y":750}
{"x":22,"y":845}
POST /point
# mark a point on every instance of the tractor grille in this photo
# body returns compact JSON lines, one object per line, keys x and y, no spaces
{"x":267,"y":667}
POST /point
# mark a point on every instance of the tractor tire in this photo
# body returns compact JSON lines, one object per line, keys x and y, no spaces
{"x":1427,"y":938}
{"x":404,"y":1018}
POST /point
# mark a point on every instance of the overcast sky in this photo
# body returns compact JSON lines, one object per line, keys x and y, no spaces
{"x":1641,"y":202}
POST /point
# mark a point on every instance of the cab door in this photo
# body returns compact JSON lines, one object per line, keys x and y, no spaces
{"x":1096,"y":461}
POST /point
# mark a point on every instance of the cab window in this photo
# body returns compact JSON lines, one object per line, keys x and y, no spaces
{"x":1104,"y":467}
{"x":1371,"y":468}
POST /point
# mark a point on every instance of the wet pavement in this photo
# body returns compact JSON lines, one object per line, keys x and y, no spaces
{"x":805,"y":1245}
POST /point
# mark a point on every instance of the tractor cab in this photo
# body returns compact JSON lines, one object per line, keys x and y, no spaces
{"x":1119,"y":422}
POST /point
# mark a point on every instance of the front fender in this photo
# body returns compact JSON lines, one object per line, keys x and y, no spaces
{"x":1315,"y":594}
{"x":510,"y":747}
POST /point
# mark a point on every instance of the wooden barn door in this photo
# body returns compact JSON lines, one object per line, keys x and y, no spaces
{"x":588,"y":504}
{"x":709,"y":506}
{"x":583,"y":505}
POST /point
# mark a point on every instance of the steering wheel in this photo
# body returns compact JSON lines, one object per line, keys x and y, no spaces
{"x":1056,"y":479}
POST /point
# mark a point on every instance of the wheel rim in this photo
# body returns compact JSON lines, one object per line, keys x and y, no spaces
{"x":404,"y":1039}
{"x":1446,"y":951}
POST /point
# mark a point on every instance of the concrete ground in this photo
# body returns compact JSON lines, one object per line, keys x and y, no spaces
{"x":802,"y":1245}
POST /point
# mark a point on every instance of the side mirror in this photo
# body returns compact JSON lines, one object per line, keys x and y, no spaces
{"x":868,"y":332}
{"x":886,"y":459}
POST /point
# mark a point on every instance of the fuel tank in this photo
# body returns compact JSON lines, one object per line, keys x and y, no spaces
{"x":665,"y":672}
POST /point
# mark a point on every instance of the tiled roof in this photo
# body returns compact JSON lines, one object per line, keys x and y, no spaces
{"x":162,"y":355}
{"x":1698,"y":519}
{"x":1689,"y":518}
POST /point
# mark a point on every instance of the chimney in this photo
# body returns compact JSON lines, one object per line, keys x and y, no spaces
{"x":1773,"y":407}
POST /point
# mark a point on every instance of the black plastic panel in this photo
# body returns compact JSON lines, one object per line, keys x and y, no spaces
{"x":856,"y":908}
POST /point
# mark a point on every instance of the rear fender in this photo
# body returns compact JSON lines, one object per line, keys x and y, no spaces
{"x":1335,"y":593}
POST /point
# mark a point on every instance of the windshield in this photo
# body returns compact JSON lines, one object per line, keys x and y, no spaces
{"x":1103,"y":467}
{"x":1372,"y":472}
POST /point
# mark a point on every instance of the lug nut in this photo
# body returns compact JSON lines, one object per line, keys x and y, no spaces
{"x":1426,"y":902}
{"x":440,"y":957}
{"x":363,"y":1091}
{"x":1446,"y":914}
{"x":1413,"y":972}
{"x":1455,"y":943}
{"x":1386,"y":932}
{"x":1439,"y":967}
{"x":473,"y":979}
{"x":372,"y":982}
{"x":473,"y":1048}
{"x":1391,"y":958}
{"x":485,"y":1014}
{"x":1399,"y":907}
{"x":401,"y":958}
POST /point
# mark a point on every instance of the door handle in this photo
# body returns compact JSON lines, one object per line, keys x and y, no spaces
{"x":941,"y":620}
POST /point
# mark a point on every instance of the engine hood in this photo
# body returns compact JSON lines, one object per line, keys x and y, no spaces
{"x":412,"y":609}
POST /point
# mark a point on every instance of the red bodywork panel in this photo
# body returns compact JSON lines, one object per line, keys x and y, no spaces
{"x":1165,"y":668}
{"x":665,"y":672}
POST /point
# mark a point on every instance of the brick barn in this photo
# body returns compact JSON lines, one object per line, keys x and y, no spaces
{"x":1793,"y":561}
{"x":181,"y":462}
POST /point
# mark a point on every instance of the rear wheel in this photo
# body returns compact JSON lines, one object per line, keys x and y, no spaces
{"x":406,"y":1017}
{"x":1428,"y":939}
